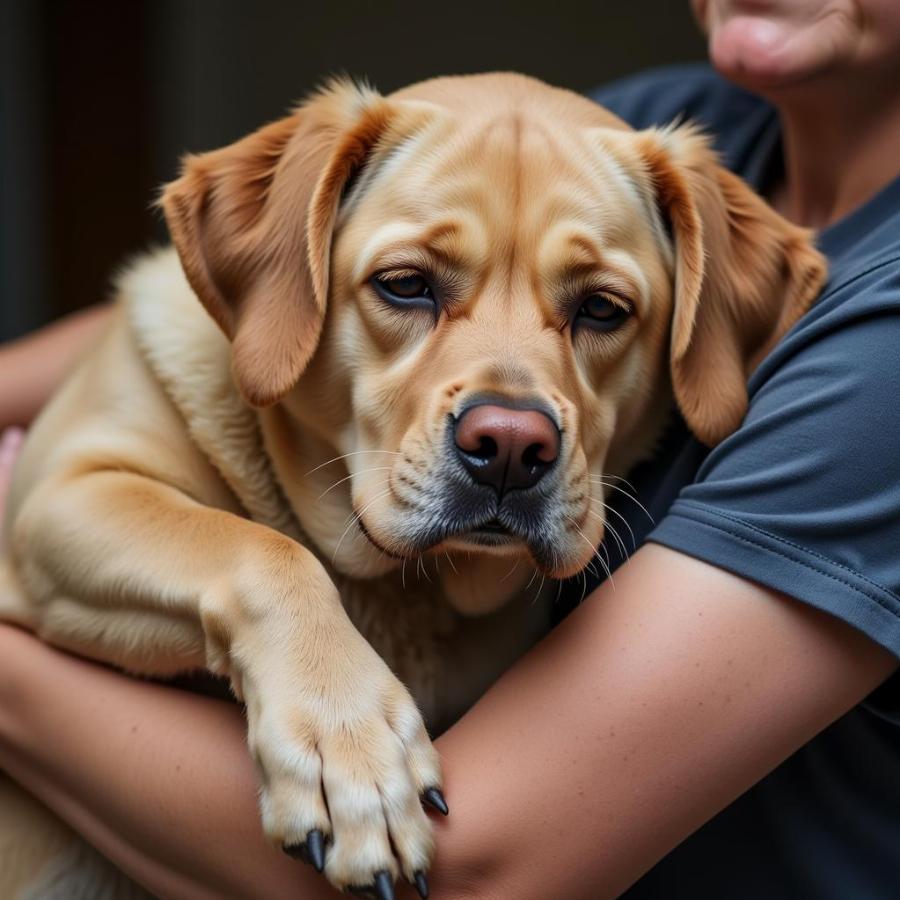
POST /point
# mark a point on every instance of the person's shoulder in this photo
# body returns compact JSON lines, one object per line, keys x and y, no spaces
{"x":689,"y":91}
{"x":852,"y":328}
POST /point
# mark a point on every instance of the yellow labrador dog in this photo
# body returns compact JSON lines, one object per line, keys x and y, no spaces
{"x":397,"y":337}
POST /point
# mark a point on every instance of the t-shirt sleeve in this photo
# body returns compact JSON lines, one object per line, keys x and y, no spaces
{"x":805,"y":497}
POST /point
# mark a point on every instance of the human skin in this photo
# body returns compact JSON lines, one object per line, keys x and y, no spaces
{"x":831,"y":67}
{"x":640,"y":718}
{"x":664,"y":696}
{"x":33,"y":366}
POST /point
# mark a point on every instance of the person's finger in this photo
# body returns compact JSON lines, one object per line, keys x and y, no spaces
{"x":10,"y":445}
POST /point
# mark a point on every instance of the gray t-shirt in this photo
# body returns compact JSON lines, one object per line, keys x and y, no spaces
{"x":805,"y":499}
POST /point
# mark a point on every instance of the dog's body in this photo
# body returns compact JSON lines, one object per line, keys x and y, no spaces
{"x":506,"y":319}
{"x":166,"y":350}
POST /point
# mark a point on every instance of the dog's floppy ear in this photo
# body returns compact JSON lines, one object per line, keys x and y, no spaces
{"x":252,"y":225}
{"x":743,"y":276}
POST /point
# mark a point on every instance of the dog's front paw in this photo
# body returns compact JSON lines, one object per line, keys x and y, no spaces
{"x":346,"y":763}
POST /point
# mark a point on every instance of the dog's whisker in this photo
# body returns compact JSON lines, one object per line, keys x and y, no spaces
{"x":630,"y":497}
{"x":372,"y":502}
{"x":583,"y":535}
{"x":604,"y":564}
{"x":355,"y":519}
{"x":421,"y":563}
{"x":608,"y":527}
{"x":450,"y":560}
{"x":537,"y":593}
{"x":616,"y":513}
{"x":513,"y":569}
{"x":607,"y":566}
{"x":351,"y":475}
{"x":619,"y":478}
{"x":388,"y":490}
{"x":335,"y":459}
{"x":610,"y":579}
{"x":607,"y":569}
{"x":619,"y":542}
{"x":534,"y":575}
{"x":595,"y":553}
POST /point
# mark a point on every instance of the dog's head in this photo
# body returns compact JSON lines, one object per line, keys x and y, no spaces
{"x":481,"y":293}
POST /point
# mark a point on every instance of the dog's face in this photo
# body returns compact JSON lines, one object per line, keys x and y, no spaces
{"x":481,"y":293}
{"x":501,"y":293}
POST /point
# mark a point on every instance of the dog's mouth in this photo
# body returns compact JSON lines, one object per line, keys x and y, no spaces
{"x":488,"y":533}
{"x":492,"y":533}
{"x":470,"y":520}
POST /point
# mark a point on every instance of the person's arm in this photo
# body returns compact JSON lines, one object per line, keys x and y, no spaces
{"x":32,"y":367}
{"x":656,"y":703}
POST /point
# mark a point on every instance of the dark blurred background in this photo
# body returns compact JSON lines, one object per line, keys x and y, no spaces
{"x":99,"y":100}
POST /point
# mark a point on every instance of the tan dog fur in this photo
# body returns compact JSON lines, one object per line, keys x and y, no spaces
{"x":191,"y":496}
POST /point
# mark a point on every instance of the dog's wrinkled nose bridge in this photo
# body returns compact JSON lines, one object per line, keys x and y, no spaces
{"x":504,"y":447}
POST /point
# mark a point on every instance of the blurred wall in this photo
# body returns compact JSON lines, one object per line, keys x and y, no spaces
{"x":100,"y":98}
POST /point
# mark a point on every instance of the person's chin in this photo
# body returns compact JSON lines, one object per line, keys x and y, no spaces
{"x":766,"y":54}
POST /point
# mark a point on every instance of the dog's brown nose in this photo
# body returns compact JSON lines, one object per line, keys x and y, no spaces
{"x":506,"y":448}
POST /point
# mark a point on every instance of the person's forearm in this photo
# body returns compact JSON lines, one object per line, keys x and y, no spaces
{"x":653,"y":706}
{"x":168,"y":793}
{"x":646,"y":712}
{"x":32,"y":367}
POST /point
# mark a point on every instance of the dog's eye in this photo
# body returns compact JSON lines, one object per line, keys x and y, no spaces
{"x":407,"y":286}
{"x":602,"y":312}
{"x":404,"y":289}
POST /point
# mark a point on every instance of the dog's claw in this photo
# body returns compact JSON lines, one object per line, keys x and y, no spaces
{"x":382,"y":887}
{"x":436,"y":799}
{"x":311,"y":851}
{"x":421,"y":884}
{"x":315,"y":847}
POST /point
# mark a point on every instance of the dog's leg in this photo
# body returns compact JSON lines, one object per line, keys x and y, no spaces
{"x":129,"y":570}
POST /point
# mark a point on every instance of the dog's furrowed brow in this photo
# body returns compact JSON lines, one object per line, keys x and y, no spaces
{"x":438,"y":245}
{"x":575,"y":262}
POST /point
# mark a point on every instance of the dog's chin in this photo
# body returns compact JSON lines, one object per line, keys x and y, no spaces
{"x":482,"y":579}
{"x":490,"y":543}
{"x":478,"y":584}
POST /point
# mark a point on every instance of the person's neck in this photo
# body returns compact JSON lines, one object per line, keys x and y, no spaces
{"x":837,"y":153}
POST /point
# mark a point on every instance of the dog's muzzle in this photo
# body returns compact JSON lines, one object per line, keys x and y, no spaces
{"x":500,"y":486}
